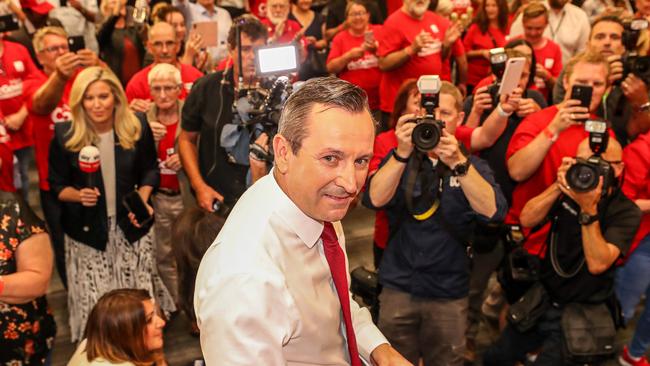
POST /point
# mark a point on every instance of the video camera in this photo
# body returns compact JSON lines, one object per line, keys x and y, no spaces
{"x":259,"y":107}
{"x":428,"y":131}
{"x":584,"y":175}
{"x":498,"y":61}
{"x":632,"y":62}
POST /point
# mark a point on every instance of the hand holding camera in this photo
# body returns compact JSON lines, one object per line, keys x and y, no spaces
{"x":635,"y":90}
{"x":482,"y":101}
{"x":404,"y":132}
{"x":615,"y":68}
{"x":568,"y":176}
{"x":448,"y":150}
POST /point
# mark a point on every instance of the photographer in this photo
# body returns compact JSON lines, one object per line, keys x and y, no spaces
{"x":627,"y":104}
{"x":574,"y":275}
{"x":207,"y":109}
{"x":425,"y":268}
{"x":543,"y":138}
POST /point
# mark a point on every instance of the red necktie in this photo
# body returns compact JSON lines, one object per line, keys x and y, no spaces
{"x":336,"y":260}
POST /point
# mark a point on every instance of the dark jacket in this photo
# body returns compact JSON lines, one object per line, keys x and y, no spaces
{"x":111,"y":44}
{"x":133,"y":168}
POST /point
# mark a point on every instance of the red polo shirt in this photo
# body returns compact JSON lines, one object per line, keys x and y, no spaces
{"x":138,"y":86}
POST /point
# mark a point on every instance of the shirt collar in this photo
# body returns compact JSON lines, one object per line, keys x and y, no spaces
{"x":307,"y":229}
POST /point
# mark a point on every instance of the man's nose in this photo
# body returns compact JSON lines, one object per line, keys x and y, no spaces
{"x":347,"y":179}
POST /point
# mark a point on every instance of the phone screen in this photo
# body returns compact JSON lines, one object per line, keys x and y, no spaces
{"x":510,"y":80}
{"x":133,"y":203}
{"x":9,"y":23}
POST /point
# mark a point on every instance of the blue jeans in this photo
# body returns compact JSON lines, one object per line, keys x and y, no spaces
{"x":632,"y":280}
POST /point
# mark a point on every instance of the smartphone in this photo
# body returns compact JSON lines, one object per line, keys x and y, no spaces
{"x":583,"y":94}
{"x":133,"y":203}
{"x":369,"y":37}
{"x":208,"y":31}
{"x":63,"y":3}
{"x":76,"y":43}
{"x":510,"y":80}
{"x":9,"y":23}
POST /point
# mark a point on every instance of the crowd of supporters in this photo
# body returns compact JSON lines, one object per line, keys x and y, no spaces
{"x":122,"y":104}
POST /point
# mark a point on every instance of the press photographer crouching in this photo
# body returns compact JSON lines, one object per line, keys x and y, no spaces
{"x":572,"y":313}
{"x":433,"y":194}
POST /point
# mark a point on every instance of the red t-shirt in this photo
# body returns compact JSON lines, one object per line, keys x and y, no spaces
{"x":398,"y":32}
{"x":637,"y":180}
{"x":168,"y":177}
{"x":363,"y":71}
{"x":138,"y":86}
{"x":479,"y":67}
{"x":566,"y":145}
{"x":550,"y":57}
{"x":291,"y":28}
{"x":393,"y":6}
{"x":43,"y":125}
{"x":15,"y":68}
{"x":384,"y":143}
{"x":7,"y":161}
{"x":131,"y":60}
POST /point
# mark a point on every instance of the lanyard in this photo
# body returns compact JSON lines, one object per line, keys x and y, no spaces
{"x":557,"y":28}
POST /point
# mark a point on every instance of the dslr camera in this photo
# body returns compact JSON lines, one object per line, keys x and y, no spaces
{"x":632,"y":62}
{"x":498,"y":59}
{"x":583,"y":176}
{"x":428,"y":131}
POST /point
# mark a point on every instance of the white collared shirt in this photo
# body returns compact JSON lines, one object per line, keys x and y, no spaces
{"x":569,"y":29}
{"x":195,"y":13}
{"x":75,"y":23}
{"x":264,"y":293}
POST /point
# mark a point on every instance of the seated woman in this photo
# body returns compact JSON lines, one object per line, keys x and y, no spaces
{"x":124,"y":328}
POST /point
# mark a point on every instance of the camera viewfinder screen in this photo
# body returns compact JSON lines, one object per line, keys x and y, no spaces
{"x":274,"y":60}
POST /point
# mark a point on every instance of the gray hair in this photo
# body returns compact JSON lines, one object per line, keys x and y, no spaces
{"x":163,"y":71}
{"x":329,"y":91}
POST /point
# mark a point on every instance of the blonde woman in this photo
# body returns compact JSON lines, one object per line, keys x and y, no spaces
{"x":106,"y":248}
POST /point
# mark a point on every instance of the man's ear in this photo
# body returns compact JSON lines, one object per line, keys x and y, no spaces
{"x":282,"y":152}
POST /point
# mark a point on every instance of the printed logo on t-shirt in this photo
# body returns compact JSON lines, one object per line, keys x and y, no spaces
{"x":188,"y":86}
{"x":11,"y":90}
{"x":434,"y":28}
{"x":60,"y":114}
{"x":548,"y":63}
{"x":19,"y":66}
{"x":453,"y":182}
{"x":163,"y":168}
{"x":367,"y":62}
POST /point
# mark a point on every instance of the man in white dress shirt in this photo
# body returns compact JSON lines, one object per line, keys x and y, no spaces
{"x":264,"y":291}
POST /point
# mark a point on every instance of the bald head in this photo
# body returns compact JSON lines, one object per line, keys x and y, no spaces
{"x":162,"y":43}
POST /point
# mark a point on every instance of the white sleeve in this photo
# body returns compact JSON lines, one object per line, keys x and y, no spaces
{"x":585,"y":29}
{"x":244,"y":318}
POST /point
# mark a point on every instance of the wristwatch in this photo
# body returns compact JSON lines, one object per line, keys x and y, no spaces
{"x":586,"y":219}
{"x":461,"y":169}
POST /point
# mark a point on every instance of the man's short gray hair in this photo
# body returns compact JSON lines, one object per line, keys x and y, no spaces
{"x":331,"y":92}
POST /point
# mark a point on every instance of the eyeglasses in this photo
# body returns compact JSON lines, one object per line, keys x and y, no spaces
{"x":166,"y":88}
{"x":52,"y":49}
{"x":159,"y":44}
{"x":357,"y":14}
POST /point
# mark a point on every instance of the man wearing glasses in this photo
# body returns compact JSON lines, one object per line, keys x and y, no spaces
{"x":163,"y":46}
{"x":46,"y":98}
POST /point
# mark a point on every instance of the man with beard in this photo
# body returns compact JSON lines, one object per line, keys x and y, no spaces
{"x":414,"y":42}
{"x":568,"y":26}
{"x":627,"y":104}
{"x":281,"y":29}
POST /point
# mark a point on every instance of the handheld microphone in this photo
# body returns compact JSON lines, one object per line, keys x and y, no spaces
{"x":89,"y":165}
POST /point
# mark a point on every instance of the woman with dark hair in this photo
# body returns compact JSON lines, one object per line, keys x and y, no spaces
{"x":125,"y":328}
{"x":523,"y":46}
{"x":488,"y":31}
{"x":192,"y":234}
{"x":313,"y":28}
{"x":27,"y":326}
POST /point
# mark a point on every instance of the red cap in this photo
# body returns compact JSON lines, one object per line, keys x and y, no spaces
{"x":37,"y":6}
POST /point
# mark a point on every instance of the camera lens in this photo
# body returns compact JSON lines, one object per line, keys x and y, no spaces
{"x":582,"y":177}
{"x":426,"y":135}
